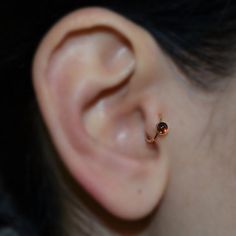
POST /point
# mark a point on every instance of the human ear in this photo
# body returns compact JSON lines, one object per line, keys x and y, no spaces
{"x":94,"y":75}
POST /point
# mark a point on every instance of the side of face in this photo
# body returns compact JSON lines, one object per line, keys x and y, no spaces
{"x":102,"y":82}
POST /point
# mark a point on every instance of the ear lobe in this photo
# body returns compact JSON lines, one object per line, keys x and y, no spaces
{"x":86,"y":77}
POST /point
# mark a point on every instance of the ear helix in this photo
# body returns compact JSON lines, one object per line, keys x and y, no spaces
{"x":161,"y":130}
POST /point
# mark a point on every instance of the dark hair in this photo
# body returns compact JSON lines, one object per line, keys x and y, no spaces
{"x":199,"y":35}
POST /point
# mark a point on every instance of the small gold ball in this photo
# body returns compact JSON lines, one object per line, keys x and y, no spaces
{"x":162,"y":128}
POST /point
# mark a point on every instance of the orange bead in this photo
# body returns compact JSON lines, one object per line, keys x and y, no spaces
{"x":162,"y":128}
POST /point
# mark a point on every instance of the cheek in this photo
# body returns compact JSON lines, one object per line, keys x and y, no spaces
{"x":189,"y":113}
{"x":202,"y":150}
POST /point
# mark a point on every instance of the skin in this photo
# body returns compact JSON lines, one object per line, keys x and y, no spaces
{"x":102,"y":82}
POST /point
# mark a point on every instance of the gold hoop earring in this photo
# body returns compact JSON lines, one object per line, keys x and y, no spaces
{"x":161,"y":130}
